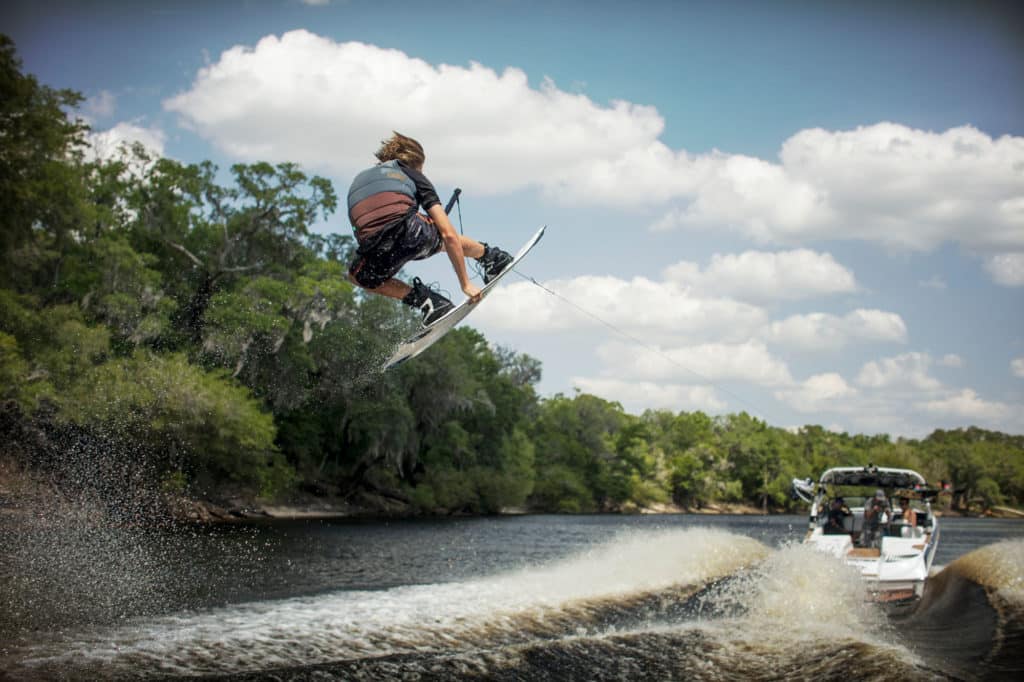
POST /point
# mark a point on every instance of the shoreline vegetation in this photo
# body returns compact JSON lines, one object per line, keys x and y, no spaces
{"x":25,"y":496}
{"x":178,"y":343}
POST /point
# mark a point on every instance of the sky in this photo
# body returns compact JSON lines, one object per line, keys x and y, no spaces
{"x":809,"y":211}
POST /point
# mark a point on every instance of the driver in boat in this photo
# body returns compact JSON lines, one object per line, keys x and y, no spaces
{"x":382,"y":207}
{"x":837,"y":513}
{"x":876,"y":511}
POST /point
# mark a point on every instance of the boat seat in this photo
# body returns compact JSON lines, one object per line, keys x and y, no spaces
{"x":864,"y":553}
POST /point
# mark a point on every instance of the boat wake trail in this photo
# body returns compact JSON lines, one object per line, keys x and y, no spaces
{"x":971,"y":617}
{"x":625,"y":580}
{"x":680,"y":604}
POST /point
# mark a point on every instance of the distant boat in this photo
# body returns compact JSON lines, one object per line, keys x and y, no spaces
{"x":878,"y":520}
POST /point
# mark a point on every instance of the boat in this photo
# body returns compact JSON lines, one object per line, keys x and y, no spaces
{"x":878,"y":520}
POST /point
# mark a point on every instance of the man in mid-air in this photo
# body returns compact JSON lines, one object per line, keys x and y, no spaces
{"x":383,"y":204}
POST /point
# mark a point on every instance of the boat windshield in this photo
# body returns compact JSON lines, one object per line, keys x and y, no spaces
{"x":853,"y":496}
{"x":872,"y":477}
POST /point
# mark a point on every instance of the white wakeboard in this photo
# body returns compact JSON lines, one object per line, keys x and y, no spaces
{"x":428,"y":336}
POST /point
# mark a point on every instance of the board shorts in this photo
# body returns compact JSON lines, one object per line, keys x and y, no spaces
{"x":415,"y":238}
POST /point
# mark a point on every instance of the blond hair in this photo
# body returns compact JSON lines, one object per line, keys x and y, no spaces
{"x":405,"y":149}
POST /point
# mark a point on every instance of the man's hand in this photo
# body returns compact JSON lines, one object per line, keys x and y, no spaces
{"x":472,"y":291}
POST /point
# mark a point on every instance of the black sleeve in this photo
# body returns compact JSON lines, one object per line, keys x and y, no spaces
{"x":426,"y":195}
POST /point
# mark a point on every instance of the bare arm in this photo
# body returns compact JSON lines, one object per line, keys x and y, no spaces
{"x":453,"y":246}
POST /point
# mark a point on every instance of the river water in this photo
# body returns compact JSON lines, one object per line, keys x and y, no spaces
{"x":508,"y":598}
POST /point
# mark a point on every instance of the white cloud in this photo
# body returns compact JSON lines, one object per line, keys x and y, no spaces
{"x":901,"y":400}
{"x":915,"y":188}
{"x":1017,"y":367}
{"x":934,"y":282}
{"x":898,"y":396}
{"x":1006,"y":269}
{"x":967,"y":405}
{"x":822,"y":331}
{"x":107,"y":144}
{"x":819,"y":393}
{"x":636,"y":396}
{"x":316,"y":3}
{"x":766,"y":276}
{"x":952,"y":360}
{"x":305,"y":98}
{"x":658,"y":310}
{"x":749,"y":361}
{"x":885,"y":183}
{"x":906,"y":371}
{"x":102,"y":104}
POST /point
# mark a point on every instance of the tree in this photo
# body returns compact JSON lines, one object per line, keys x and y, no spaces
{"x":215,"y":233}
{"x":520,"y":368}
{"x":116,"y":285}
{"x":755,"y":452}
{"x":191,"y":420}
{"x":42,"y":195}
{"x":980,"y":463}
{"x":676,"y":445}
{"x":37,"y":139}
{"x":575,"y":453}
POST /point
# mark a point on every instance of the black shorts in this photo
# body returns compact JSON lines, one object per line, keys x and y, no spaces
{"x":414,"y":238}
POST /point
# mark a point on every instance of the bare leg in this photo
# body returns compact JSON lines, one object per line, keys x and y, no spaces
{"x":391,"y":288}
{"x":471,"y":248}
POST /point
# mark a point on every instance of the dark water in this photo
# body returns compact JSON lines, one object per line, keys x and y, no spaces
{"x":532,"y":597}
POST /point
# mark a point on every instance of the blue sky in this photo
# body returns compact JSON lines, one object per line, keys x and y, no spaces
{"x":809,"y":211}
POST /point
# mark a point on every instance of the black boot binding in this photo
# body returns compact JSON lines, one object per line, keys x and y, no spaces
{"x":493,"y":261}
{"x":432,"y":305}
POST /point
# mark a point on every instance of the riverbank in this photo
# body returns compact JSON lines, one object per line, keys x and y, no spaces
{"x":29,"y":494}
{"x":25,"y":495}
{"x":284,"y":511}
{"x":205,"y":511}
{"x":370,"y":506}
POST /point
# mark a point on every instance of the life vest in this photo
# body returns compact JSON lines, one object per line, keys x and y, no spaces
{"x":378,"y":197}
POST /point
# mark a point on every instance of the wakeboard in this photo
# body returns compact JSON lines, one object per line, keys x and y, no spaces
{"x":428,"y":336}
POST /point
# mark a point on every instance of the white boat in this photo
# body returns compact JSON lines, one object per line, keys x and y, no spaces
{"x":892,"y":541}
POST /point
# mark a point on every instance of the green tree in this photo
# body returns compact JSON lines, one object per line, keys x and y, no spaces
{"x":40,"y":183}
{"x":979,"y":463}
{"x":511,"y":480}
{"x":754,"y":450}
{"x":199,"y":422}
{"x":575,"y":450}
{"x":114,"y":284}
{"x":474,"y":456}
{"x":213,"y":233}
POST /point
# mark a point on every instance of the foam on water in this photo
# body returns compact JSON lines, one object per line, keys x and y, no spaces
{"x":638,"y":562}
{"x":551,"y":600}
{"x":792,"y":606}
{"x":805,"y":589}
{"x":691,"y":604}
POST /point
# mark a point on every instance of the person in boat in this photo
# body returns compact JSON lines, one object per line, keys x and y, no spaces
{"x":837,"y":513}
{"x":383,"y":204}
{"x":875,"y":508}
{"x":907,"y":513}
